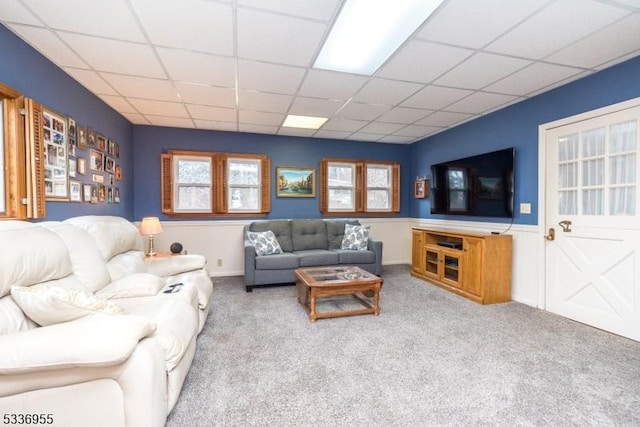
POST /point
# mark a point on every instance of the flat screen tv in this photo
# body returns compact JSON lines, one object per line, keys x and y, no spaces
{"x":481,"y":185}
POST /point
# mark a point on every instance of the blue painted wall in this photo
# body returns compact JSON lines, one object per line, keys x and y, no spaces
{"x":517,"y":126}
{"x":25,"y":70}
{"x":151,"y":141}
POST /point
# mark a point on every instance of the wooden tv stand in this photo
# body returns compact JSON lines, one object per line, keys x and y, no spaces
{"x":474,"y":265}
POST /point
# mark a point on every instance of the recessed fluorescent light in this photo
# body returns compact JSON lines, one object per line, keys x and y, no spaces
{"x":304,"y":122}
{"x":367,"y":32}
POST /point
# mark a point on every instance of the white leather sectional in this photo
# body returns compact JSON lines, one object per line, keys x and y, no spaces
{"x":91,"y":331}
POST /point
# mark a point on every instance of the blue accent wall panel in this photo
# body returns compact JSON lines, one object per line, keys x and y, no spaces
{"x":517,"y":126}
{"x":151,"y":141}
{"x":27,"y":71}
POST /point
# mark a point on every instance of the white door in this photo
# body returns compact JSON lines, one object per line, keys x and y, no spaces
{"x":592,"y":206}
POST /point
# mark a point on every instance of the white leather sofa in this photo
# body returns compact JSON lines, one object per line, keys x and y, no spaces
{"x":88,"y":335}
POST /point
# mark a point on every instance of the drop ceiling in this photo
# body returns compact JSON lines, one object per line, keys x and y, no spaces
{"x":243,"y":65}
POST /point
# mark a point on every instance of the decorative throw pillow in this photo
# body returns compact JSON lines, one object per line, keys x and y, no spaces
{"x":356,"y":237}
{"x":48,"y":305}
{"x":264,"y":242}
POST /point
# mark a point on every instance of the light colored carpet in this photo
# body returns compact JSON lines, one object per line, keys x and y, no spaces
{"x":430,"y":358}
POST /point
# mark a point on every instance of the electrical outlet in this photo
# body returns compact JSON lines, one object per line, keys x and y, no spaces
{"x":219,"y":262}
{"x":525,"y":208}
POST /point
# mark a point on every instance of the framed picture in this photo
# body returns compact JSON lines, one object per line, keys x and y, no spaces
{"x":81,"y":137}
{"x":72,"y":167}
{"x":118,"y":173}
{"x":56,"y":152}
{"x":116,"y":194}
{"x":96,"y":160}
{"x":91,"y":137}
{"x":96,"y":177}
{"x":421,"y":188}
{"x":81,"y":167}
{"x":75,"y":191}
{"x":295,"y":181}
{"x":109,"y":164}
{"x":87,"y":192}
{"x":101,"y":142}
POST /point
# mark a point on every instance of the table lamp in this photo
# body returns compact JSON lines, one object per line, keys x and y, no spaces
{"x":150,"y":227}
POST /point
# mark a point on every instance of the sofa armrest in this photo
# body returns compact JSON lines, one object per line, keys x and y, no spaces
{"x":376,"y":247}
{"x":249,"y":264}
{"x":177,"y":264}
{"x":89,"y":342}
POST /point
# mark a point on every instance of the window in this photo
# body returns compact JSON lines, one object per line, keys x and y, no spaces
{"x":359,"y":187}
{"x":198,"y":183}
{"x":458,"y":189}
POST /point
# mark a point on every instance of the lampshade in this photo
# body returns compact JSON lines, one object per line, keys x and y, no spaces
{"x":150,"y":226}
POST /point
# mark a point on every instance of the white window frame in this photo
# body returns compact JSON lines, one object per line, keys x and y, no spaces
{"x":352,"y":187}
{"x":230,"y":186}
{"x":177,"y":185}
{"x":388,"y":188}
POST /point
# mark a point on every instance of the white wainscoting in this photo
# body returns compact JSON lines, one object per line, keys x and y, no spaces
{"x":222,"y":240}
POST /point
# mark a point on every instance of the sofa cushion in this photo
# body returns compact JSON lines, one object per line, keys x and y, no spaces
{"x":264,"y":242}
{"x":356,"y":237}
{"x":281,"y":229}
{"x":48,"y":305}
{"x":112,"y":234}
{"x":277,"y":262}
{"x":308,"y":234}
{"x":313,"y":257}
{"x":335,"y":231}
{"x":355,"y":257}
{"x":133,"y":285}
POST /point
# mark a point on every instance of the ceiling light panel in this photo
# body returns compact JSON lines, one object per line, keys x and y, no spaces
{"x":195,"y":25}
{"x":367,"y":32}
{"x":304,"y":122}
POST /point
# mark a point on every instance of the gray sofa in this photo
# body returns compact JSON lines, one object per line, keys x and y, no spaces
{"x":305,"y":243}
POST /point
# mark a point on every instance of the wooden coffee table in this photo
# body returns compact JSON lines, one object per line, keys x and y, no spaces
{"x":330,"y":281}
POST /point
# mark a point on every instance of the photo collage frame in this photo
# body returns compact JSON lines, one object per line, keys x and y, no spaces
{"x":81,"y":164}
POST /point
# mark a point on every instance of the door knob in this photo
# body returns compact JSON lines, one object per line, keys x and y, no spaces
{"x":566,"y":226}
{"x":552,"y":234}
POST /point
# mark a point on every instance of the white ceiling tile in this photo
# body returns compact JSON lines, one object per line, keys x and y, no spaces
{"x":617,"y":60}
{"x":15,"y":12}
{"x":217,"y":114}
{"x":435,"y":97}
{"x":159,"y":108}
{"x":207,"y":95}
{"x":269,"y":77}
{"x":494,"y":67}
{"x":403,"y":115}
{"x":555,"y":27}
{"x":480,"y":102}
{"x":201,"y":68}
{"x":599,"y":48}
{"x":417,"y":131}
{"x":307,"y":133}
{"x":142,"y":87}
{"x":476,"y":22}
{"x":315,"y":107}
{"x":91,"y":80}
{"x":213,"y":125}
{"x":381,"y":128}
{"x":332,"y":134}
{"x":345,"y":125}
{"x":383,"y":91}
{"x":195,"y":25}
{"x":268,"y":37}
{"x":49,"y":45}
{"x":331,"y":85}
{"x":136,"y":119}
{"x":422,"y":62}
{"x":253,"y":128}
{"x":397,"y":139}
{"x":115,"y":56}
{"x":366,"y":137}
{"x":311,"y":9}
{"x":560,"y":83}
{"x":532,"y":78}
{"x":111,"y":19}
{"x":444,"y":119}
{"x":174,"y":122}
{"x":260,"y":118}
{"x":260,"y":101}
{"x":359,"y":111}
{"x":118,"y":103}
